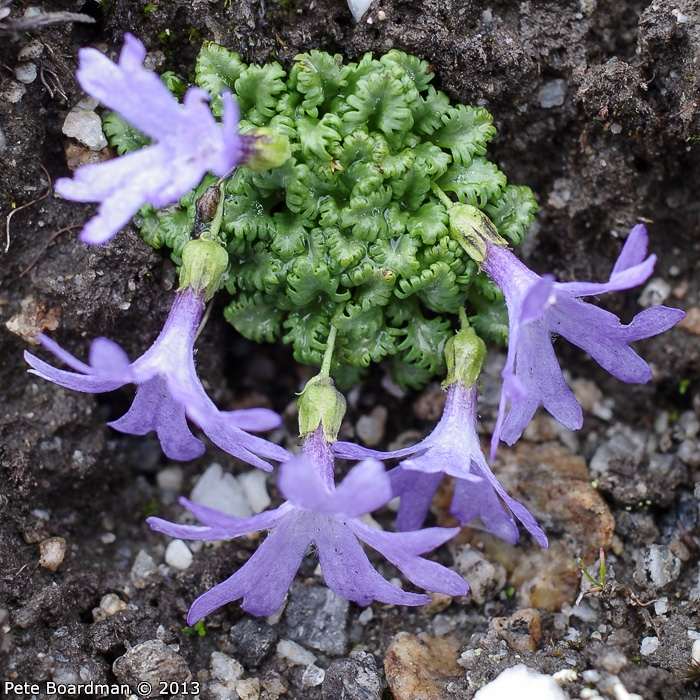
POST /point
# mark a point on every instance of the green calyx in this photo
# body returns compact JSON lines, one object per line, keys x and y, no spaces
{"x":465,"y":355}
{"x":320,"y":403}
{"x":266,"y":149}
{"x":204,"y":264}
{"x":348,"y":231}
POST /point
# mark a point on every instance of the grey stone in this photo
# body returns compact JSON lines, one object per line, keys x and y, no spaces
{"x":26,"y":73}
{"x":658,"y":567}
{"x":152,"y":663}
{"x":317,"y":618}
{"x":253,"y":640}
{"x":552,"y":93}
{"x":86,"y":127}
{"x":486,"y":579}
{"x":354,"y":678}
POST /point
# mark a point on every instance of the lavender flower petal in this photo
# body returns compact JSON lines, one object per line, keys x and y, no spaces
{"x":188,"y":141}
{"x":538,"y":307}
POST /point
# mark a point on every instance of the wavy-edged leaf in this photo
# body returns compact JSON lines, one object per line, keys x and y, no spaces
{"x":475,"y":183}
{"x":411,"y":188}
{"x":380,"y":103}
{"x":121,"y":135}
{"x":257,"y":269}
{"x":217,"y":69}
{"x":424,"y":342}
{"x":466,"y":131}
{"x":319,"y":77}
{"x":171,"y":227}
{"x":513,"y":213}
{"x":429,"y":110}
{"x":344,"y":250}
{"x":363,"y":336}
{"x":310,"y":282}
{"x":434,"y":160}
{"x":435,"y":286}
{"x":417,"y":69}
{"x":246,"y":218}
{"x":407,"y":375}
{"x":429,"y":222}
{"x":370,"y":285}
{"x":255,"y":317}
{"x":307,"y":332}
{"x":491,"y":318}
{"x":397,"y":254}
{"x":258,"y":89}
{"x":365,"y":214}
{"x":291,"y":235}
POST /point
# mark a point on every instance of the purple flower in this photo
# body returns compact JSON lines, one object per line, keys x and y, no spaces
{"x":168,"y":390}
{"x":189,"y":141}
{"x":317,"y":513}
{"x":539,"y":306}
{"x":452,"y":448}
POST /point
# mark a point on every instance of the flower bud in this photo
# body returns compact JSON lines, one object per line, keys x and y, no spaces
{"x":465,"y":355}
{"x":471,"y":228}
{"x":320,"y":403}
{"x":204,"y":264}
{"x":266,"y":149}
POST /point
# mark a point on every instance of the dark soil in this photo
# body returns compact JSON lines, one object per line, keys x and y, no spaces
{"x":619,"y":146}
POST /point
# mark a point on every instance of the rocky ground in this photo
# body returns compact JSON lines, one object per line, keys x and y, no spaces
{"x":597,"y":105}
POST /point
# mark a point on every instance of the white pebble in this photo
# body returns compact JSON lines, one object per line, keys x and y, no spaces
{"x":221,"y":492}
{"x":51,"y":552}
{"x":294,"y":653}
{"x":86,"y":127}
{"x":178,"y":555}
{"x":655,"y":293}
{"x":170,"y":478}
{"x":312,"y":676}
{"x":26,"y":73}
{"x":552,"y":93}
{"x":522,"y":683}
{"x":224,"y":667}
{"x":649,"y":645}
{"x":358,"y":8}
{"x":254,"y":485}
{"x":248,"y":689}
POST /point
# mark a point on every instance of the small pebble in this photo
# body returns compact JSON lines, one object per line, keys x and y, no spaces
{"x":657,"y":567}
{"x":649,"y":645}
{"x":221,"y":492}
{"x":14,"y":92}
{"x":552,"y":93}
{"x":224,"y":667}
{"x":153,"y":663}
{"x":142,"y":568}
{"x":521,"y":631}
{"x":294,"y":653}
{"x":312,"y":676}
{"x":486,"y":579}
{"x":248,"y":689}
{"x":170,"y":478}
{"x":178,"y":555}
{"x":353,"y":678}
{"x":370,"y":428}
{"x":31,"y":51}
{"x":253,"y":641}
{"x":86,"y":127}
{"x":522,"y":683}
{"x":655,"y":293}
{"x":26,"y":73}
{"x":254,"y":485}
{"x":51,"y":552}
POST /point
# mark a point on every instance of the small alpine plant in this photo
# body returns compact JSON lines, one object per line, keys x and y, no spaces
{"x":363,"y":222}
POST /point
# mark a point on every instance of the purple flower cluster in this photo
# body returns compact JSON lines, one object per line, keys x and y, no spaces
{"x":317,"y":513}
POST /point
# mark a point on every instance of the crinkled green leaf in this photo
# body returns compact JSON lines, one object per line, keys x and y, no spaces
{"x":475,"y":183}
{"x":429,"y":110}
{"x":291,"y":234}
{"x":121,"y":135}
{"x":371,"y":285}
{"x":397,"y":255}
{"x":429,"y":222}
{"x":513,"y":213}
{"x":380,"y":103}
{"x":491,"y":318}
{"x":258,"y":89}
{"x":424,"y":342}
{"x":309,"y":283}
{"x":257,"y":268}
{"x":217,"y":69}
{"x":365,"y":214}
{"x":345,"y":250}
{"x":363,"y":336}
{"x":255,"y":317}
{"x":307,"y":332}
{"x":466,"y":131}
{"x":417,"y":69}
{"x":407,"y":375}
{"x":319,"y":77}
